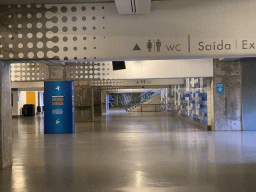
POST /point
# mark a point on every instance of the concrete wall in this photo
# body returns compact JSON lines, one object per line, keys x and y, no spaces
{"x":19,"y":99}
{"x":227,"y":105}
{"x":210,"y":103}
{"x":22,"y":101}
{"x":15,"y":103}
{"x":41,"y":98}
{"x":164,"y":69}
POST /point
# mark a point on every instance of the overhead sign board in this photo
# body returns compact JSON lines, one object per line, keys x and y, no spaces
{"x":95,"y":31}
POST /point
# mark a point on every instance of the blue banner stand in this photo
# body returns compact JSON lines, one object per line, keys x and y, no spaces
{"x":59,"y":107}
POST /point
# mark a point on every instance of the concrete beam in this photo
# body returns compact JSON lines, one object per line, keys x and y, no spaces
{"x":28,"y":86}
{"x":54,"y":1}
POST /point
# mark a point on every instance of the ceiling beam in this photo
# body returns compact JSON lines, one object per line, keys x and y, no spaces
{"x":19,"y":2}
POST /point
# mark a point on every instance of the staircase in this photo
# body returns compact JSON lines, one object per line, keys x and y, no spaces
{"x":144,"y":99}
{"x":111,"y":100}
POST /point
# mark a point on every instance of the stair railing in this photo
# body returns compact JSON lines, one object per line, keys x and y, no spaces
{"x":140,"y":99}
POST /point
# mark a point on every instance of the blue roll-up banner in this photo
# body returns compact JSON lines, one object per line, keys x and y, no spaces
{"x":59,"y":107}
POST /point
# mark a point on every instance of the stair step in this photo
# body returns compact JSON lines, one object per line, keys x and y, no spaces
{"x":145,"y":99}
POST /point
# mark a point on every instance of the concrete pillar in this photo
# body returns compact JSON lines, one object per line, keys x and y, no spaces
{"x":227,"y":105}
{"x":103,"y":101}
{"x":107,"y":102}
{"x":116,"y":100}
{"x":97,"y":101}
{"x":15,"y":109}
{"x":83,"y":101}
{"x":210,"y":107}
{"x":92,"y":104}
{"x":6,"y":116}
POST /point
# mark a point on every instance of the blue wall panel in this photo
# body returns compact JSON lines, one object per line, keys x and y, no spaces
{"x":124,"y":99}
{"x":188,"y":100}
{"x":59,"y":107}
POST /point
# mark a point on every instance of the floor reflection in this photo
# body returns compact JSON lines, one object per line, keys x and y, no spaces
{"x":122,"y":151}
{"x":58,"y":157}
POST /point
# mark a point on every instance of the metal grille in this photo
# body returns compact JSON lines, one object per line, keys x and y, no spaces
{"x":82,"y":71}
{"x":29,"y":72}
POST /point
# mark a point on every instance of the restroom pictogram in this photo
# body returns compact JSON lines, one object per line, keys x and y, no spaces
{"x":154,"y":46}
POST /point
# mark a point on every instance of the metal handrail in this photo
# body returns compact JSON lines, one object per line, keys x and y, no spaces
{"x":134,"y":101}
{"x":138,"y":100}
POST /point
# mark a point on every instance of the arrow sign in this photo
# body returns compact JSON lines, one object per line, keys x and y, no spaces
{"x":136,"y":48}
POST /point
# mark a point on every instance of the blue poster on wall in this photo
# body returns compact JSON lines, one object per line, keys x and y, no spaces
{"x":59,"y":107}
{"x":220,"y":87}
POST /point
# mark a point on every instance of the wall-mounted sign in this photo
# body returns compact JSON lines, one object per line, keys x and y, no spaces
{"x":84,"y":31}
{"x":220,"y":87}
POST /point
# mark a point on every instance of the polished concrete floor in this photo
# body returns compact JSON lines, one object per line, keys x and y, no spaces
{"x":130,"y":152}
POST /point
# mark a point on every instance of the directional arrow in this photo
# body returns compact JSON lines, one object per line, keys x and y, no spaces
{"x":136,"y":48}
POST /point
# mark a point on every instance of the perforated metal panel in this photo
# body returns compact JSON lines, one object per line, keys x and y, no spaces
{"x":73,"y":71}
{"x":29,"y":72}
{"x":84,"y":71}
{"x":46,"y":31}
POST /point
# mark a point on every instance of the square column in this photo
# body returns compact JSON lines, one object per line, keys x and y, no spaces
{"x":227,"y":95}
{"x":6,"y":116}
{"x":83,"y":102}
{"x":97,"y":101}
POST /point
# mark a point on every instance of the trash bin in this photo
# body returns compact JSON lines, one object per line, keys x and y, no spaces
{"x":28,"y":110}
{"x":39,"y":109}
